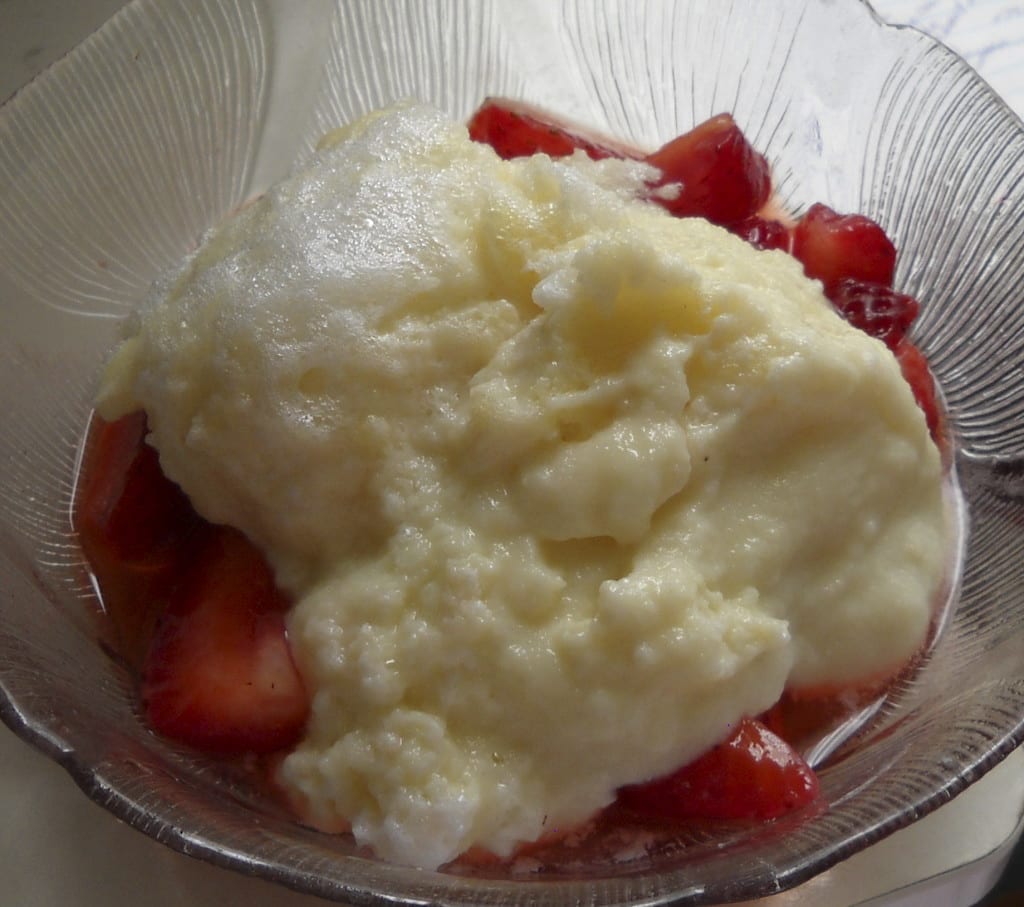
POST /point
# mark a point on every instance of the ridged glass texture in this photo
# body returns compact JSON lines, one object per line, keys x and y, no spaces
{"x":115,"y":160}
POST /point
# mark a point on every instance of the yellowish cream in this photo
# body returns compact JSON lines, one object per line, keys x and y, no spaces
{"x":563,"y":486}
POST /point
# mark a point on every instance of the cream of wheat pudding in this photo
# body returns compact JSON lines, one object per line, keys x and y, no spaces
{"x":561,"y":487}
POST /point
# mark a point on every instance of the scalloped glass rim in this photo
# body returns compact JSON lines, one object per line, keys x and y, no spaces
{"x":119,"y":156}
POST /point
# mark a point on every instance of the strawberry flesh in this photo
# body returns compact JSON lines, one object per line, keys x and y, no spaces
{"x":128,"y":512}
{"x":834,"y":247}
{"x":133,"y":524}
{"x":876,"y":309}
{"x":712,"y":171}
{"x":753,"y":775}
{"x":220,"y":675}
{"x":512,"y":130}
{"x":762,"y":233}
{"x":915,"y":370}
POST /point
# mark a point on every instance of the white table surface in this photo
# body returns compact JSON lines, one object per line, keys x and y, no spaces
{"x":58,"y":848}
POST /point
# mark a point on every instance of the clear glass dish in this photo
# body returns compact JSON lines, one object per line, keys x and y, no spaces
{"x":117,"y":158}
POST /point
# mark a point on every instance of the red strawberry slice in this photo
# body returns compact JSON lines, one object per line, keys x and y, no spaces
{"x":915,"y":370}
{"x":833,"y":247}
{"x":876,"y":309}
{"x":515,"y":130}
{"x":718,"y":173}
{"x":220,"y":675}
{"x":127,"y":511}
{"x":752,"y":775}
{"x":132,"y":523}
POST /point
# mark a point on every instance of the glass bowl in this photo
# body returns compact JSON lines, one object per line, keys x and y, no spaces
{"x":119,"y":156}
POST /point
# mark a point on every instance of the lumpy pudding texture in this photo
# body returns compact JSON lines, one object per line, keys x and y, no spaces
{"x":563,"y":487}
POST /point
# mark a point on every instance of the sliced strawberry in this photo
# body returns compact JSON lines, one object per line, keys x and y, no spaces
{"x":762,"y":233}
{"x":128,"y":511}
{"x":876,"y":309}
{"x":133,"y":524}
{"x":752,"y":775}
{"x":220,"y":675}
{"x":514,"y":130}
{"x":917,"y":374}
{"x":833,"y":247}
{"x":713,"y":172}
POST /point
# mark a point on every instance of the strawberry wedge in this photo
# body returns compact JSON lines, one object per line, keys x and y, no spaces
{"x":833,"y":247}
{"x":712,"y":172}
{"x":754,"y":775}
{"x":220,"y":675}
{"x":128,"y":513}
{"x":133,"y":524}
